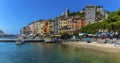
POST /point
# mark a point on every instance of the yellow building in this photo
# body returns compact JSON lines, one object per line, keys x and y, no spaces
{"x":65,"y":25}
{"x":40,"y":27}
{"x":71,"y":25}
{"x":44,"y":27}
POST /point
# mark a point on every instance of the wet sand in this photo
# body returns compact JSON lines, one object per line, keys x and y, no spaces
{"x":95,"y":46}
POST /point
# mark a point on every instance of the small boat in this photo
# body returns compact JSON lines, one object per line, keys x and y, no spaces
{"x":47,"y":40}
{"x":53,"y":41}
{"x":19,"y":41}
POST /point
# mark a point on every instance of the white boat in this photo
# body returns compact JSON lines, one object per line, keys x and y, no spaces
{"x":47,"y":40}
{"x":50,"y":40}
{"x":19,"y":41}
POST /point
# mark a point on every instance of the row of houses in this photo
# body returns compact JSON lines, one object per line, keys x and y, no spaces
{"x":54,"y":26}
{"x":66,"y":22}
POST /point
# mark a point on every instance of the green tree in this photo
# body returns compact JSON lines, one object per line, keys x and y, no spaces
{"x":78,"y":14}
{"x":75,"y":34}
{"x":98,"y":16}
{"x":65,"y":34}
{"x":112,"y":23}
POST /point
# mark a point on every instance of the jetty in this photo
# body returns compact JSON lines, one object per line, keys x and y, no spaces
{"x":25,"y":40}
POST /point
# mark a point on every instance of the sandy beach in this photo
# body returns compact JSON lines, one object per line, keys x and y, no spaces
{"x":95,"y":46}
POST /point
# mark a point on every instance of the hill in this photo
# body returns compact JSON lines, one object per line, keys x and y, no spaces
{"x":111,"y":24}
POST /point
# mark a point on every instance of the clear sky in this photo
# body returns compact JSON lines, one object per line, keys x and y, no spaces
{"x":14,"y":14}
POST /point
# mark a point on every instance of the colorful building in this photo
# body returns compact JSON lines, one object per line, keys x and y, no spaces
{"x":33,"y":28}
{"x":49,"y":27}
{"x":71,"y":25}
{"x":52,"y":26}
{"x":40,"y":27}
{"x":76,"y":25}
{"x":45,"y":27}
{"x":25,"y":30}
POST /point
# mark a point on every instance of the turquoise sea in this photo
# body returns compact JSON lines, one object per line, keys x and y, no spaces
{"x":52,"y":53}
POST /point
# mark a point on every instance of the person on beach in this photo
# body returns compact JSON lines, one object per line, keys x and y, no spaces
{"x":87,"y":39}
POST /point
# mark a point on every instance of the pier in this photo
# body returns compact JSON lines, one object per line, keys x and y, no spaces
{"x":25,"y":40}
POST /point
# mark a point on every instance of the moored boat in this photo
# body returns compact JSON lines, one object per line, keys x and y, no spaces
{"x":19,"y":41}
{"x":53,"y":41}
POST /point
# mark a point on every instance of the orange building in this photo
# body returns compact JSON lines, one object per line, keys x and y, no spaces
{"x":76,"y":24}
{"x":71,"y":25}
{"x":46,"y":27}
{"x":33,"y":28}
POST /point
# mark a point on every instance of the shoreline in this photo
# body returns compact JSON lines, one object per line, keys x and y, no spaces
{"x":94,"y":46}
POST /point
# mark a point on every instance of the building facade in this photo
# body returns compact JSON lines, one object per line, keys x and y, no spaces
{"x":71,"y":25}
{"x":90,"y":13}
{"x":40,"y":27}
{"x":51,"y":26}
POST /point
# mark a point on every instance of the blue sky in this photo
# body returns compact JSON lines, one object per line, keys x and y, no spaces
{"x":14,"y":14}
